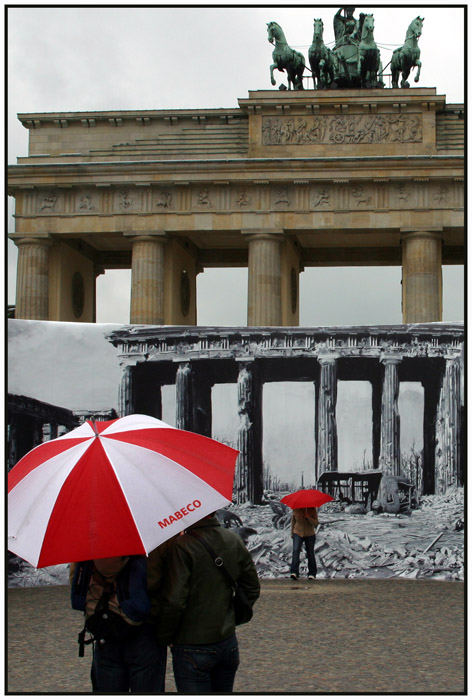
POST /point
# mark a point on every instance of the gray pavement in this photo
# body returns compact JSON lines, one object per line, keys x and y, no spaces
{"x":329,"y":636}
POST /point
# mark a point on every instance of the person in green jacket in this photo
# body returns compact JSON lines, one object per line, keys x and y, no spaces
{"x":191,"y":604}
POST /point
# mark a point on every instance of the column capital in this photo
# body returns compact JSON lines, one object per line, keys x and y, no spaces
{"x":391,"y":359}
{"x":130,"y":360}
{"x":245,"y":361}
{"x":161,"y":236}
{"x":421,"y":232}
{"x":258,"y":234}
{"x":327,"y":359}
{"x":43,"y":239}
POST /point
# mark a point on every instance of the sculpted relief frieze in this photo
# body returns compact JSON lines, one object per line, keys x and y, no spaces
{"x":342,"y":195}
{"x":355,"y":129}
{"x":299,"y":344}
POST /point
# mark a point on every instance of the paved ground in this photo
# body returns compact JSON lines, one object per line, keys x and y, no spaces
{"x":330,"y":636}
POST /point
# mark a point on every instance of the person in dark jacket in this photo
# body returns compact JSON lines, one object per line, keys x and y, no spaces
{"x":191,"y":604}
{"x":129,"y":661}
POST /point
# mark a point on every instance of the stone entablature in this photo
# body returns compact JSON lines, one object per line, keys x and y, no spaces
{"x":305,"y":178}
{"x":141,"y":343}
{"x":302,"y":195}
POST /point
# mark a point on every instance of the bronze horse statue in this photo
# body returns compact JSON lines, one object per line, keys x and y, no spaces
{"x":285,"y":58}
{"x":321,"y":58}
{"x":368,"y":61}
{"x":408,"y":55}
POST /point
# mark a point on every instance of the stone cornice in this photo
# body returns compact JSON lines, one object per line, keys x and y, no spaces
{"x":35,"y":120}
{"x":285,"y":169}
{"x":418,"y":340}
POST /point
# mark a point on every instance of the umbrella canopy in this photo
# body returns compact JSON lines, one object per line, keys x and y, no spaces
{"x":112,"y":488}
{"x":306,"y":498}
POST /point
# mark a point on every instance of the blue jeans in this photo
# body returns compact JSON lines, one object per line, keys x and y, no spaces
{"x":206,"y":668}
{"x":310,"y":553}
{"x":136,"y":665}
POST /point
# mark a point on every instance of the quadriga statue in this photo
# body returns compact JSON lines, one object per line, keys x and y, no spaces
{"x":353,"y":62}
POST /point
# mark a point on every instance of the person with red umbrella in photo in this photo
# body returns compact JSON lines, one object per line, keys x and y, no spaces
{"x":304,"y":504}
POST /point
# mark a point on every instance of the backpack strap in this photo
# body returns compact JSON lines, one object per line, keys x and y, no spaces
{"x":217,"y":560}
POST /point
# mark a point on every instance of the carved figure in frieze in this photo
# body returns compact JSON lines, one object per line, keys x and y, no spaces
{"x":404,"y":129}
{"x":408,"y":56}
{"x":402,"y":193}
{"x":281,"y":195}
{"x":321,"y":198}
{"x":125,"y":200}
{"x":85,"y":203}
{"x":441,"y":195}
{"x":164,"y":199}
{"x":321,"y":58}
{"x":285,"y":58}
{"x":48,"y":201}
{"x":203,"y":197}
{"x":243,"y":199}
{"x":360,"y":196}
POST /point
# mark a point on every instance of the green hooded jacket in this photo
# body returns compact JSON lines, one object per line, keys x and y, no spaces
{"x":191,"y":599}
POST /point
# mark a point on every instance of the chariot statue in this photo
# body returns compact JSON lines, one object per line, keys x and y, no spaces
{"x":353,"y":62}
{"x":356,"y":56}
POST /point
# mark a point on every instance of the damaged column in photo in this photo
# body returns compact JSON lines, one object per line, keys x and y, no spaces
{"x":326,"y":433}
{"x":183,"y":397}
{"x":447,"y":462}
{"x":249,"y":482}
{"x":389,"y":460}
{"x":126,"y":392}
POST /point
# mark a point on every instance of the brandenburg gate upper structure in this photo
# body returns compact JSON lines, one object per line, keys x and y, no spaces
{"x":288,"y":179}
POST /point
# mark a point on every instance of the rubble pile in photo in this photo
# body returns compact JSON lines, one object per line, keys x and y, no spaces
{"x":429,"y":543}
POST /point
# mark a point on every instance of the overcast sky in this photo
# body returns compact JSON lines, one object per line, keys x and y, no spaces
{"x":85,"y":58}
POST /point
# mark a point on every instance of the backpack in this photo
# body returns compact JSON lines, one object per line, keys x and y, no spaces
{"x":131,"y":589}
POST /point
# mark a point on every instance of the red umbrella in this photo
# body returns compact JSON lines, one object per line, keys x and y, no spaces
{"x":113,"y":488}
{"x":306,"y":498}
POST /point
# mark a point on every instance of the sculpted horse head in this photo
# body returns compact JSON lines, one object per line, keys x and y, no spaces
{"x":317,"y":29}
{"x":274,"y":32}
{"x":367,"y":27}
{"x":415,"y":29}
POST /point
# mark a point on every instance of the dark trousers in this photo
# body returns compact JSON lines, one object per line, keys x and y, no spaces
{"x":206,"y":668}
{"x":136,"y":665}
{"x":310,"y":553}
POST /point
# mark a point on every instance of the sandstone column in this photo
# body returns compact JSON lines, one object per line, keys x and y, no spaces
{"x":126,"y":398}
{"x":327,"y":438}
{"x":389,"y":459}
{"x":249,"y":484}
{"x":183,"y":397}
{"x":448,"y":449}
{"x":147,"y":279}
{"x":421,"y":277}
{"x":32,"y":284}
{"x":264,"y":279}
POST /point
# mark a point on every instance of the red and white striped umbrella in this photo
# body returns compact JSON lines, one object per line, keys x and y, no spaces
{"x":112,"y":488}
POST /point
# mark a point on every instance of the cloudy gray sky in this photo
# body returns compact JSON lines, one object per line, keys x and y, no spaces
{"x":86,"y":58}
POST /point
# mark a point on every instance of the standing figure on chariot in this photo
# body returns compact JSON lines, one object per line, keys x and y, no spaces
{"x":347,"y":29}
